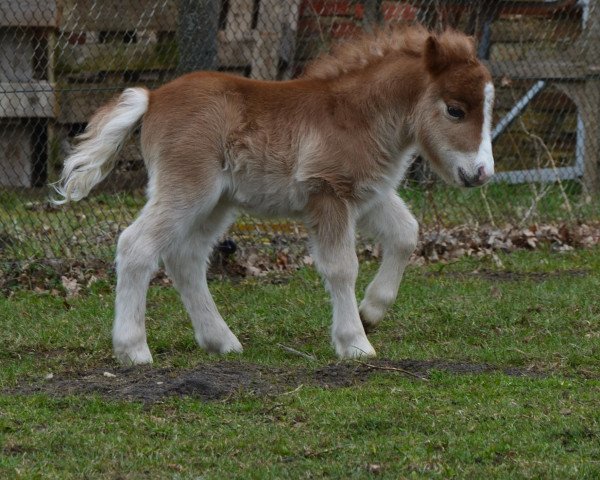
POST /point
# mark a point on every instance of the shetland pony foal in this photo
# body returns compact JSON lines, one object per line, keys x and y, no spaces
{"x":328,"y":148}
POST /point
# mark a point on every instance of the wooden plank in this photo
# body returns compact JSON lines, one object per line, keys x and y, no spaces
{"x":548,"y":101}
{"x":236,"y":48}
{"x":118,"y":15}
{"x":79,"y":102}
{"x":548,"y":69}
{"x":235,"y":53}
{"x":239,"y":19}
{"x":74,"y":60}
{"x":587,"y":98}
{"x":276,"y":29}
{"x":287,"y":48}
{"x":265,"y":58}
{"x":110,"y":57}
{"x":29,"y":13}
{"x":16,"y":54}
{"x":26,"y":100}
{"x":130,"y":156}
{"x":542,"y":8}
{"x":16,"y":150}
{"x":527,"y":29}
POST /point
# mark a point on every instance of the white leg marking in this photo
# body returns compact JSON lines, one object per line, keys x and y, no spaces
{"x":186,"y":264}
{"x":391,"y":223}
{"x":137,"y":260}
{"x":338,"y":265}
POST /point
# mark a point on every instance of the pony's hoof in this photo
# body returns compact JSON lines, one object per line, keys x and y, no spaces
{"x":356,"y":348}
{"x":134,"y":356}
{"x":370,"y":315}
{"x":229,"y":344}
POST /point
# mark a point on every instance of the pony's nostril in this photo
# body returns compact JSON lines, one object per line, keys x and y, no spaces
{"x":482,"y":175}
{"x":478,"y":178}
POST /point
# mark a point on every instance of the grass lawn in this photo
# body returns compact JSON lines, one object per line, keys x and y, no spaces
{"x":503,"y":381}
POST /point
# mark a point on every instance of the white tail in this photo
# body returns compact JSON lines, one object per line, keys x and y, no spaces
{"x":94,"y":157}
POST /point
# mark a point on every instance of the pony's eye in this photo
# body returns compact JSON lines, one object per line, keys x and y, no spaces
{"x":456,"y":112}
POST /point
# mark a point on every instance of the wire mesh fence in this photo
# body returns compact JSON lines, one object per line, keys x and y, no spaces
{"x":62,"y":59}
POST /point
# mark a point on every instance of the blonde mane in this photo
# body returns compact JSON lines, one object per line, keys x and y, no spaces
{"x":366,"y":49}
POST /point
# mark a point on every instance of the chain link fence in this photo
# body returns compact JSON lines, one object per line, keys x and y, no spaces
{"x":62,"y":59}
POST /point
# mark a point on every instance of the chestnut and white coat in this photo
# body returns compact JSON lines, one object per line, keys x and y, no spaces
{"x":328,"y":148}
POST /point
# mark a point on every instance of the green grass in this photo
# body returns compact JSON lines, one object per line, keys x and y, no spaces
{"x":501,"y":203}
{"x":31,"y":228}
{"x":466,"y":427}
{"x":543,"y":317}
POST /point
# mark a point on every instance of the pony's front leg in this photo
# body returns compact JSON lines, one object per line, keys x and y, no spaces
{"x":392,"y":224}
{"x":332,"y":238}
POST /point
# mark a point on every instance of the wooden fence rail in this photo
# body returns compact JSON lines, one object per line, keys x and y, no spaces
{"x":62,"y":59}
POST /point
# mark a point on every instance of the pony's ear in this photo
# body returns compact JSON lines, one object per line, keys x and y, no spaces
{"x":436,"y":58}
{"x":446,"y":49}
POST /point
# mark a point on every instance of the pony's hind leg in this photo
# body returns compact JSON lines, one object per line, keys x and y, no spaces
{"x":332,"y":238}
{"x":186,"y":263}
{"x":138,"y":252}
{"x":392,"y":224}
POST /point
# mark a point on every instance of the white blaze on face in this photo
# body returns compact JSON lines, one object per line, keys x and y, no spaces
{"x":465,"y":168}
{"x":484,"y":154}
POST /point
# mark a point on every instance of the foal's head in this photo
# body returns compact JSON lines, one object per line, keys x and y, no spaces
{"x":454,"y":114}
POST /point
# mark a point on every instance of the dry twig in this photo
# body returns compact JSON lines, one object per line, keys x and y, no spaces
{"x":392,"y":369}
{"x":297,"y":352}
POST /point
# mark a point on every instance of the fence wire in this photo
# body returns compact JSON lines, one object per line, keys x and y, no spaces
{"x":62,"y":59}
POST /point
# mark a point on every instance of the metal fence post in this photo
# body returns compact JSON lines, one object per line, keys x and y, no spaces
{"x":197,"y":34}
{"x":591,"y":174}
{"x":373,"y":15}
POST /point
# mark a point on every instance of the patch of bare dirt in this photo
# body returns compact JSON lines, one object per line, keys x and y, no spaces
{"x":348,"y":374}
{"x":211,"y":381}
{"x":222,"y":380}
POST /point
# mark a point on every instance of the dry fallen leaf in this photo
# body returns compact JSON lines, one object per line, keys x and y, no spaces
{"x":374,"y":468}
{"x":495,"y":293}
{"x":71,"y":286}
{"x":253,"y":271}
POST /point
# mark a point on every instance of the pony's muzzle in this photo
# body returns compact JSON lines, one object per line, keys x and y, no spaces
{"x":479,"y":178}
